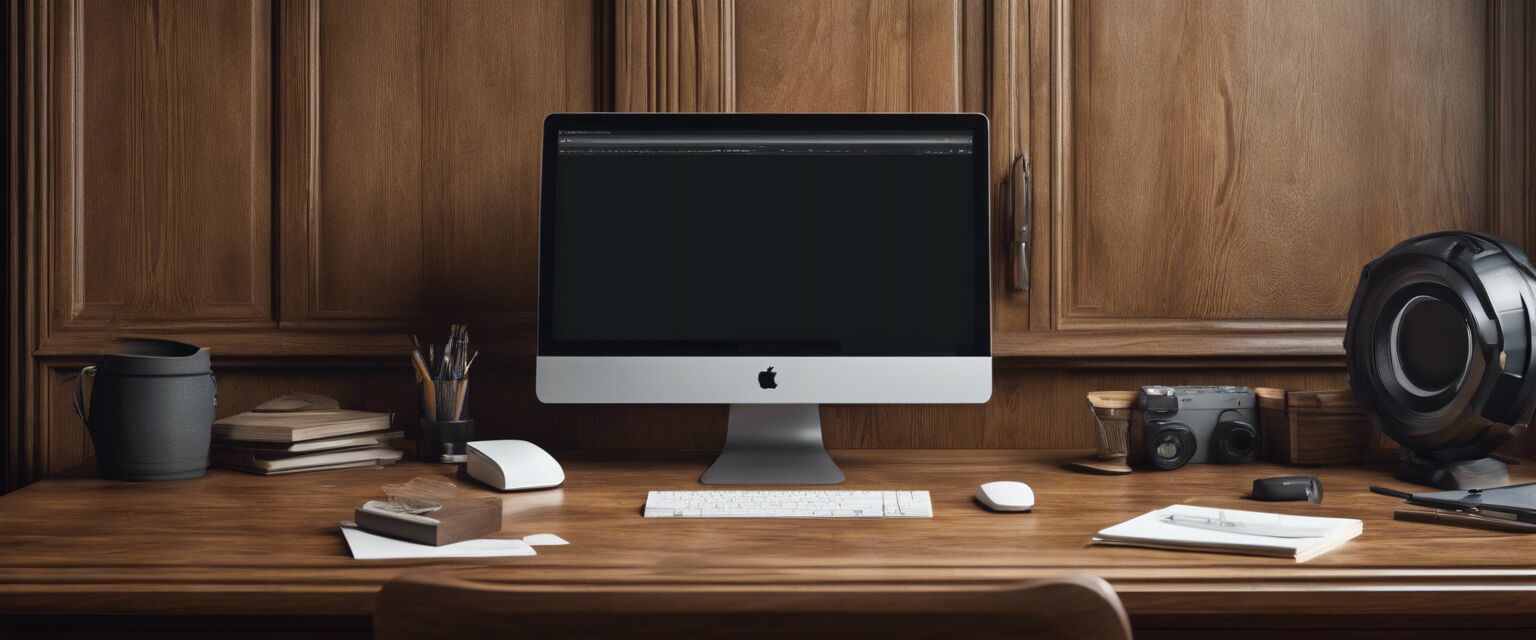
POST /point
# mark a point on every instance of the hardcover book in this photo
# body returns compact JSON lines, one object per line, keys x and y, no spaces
{"x":298,"y":426}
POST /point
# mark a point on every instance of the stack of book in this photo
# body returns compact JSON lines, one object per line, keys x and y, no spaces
{"x":292,"y":442}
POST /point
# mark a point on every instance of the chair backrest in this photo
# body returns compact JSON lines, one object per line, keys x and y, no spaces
{"x":484,"y":603}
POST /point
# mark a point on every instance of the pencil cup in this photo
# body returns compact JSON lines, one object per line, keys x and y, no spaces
{"x":444,"y":440}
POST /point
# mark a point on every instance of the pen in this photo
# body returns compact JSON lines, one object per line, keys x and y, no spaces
{"x":1221,"y":523}
{"x":1463,"y":520}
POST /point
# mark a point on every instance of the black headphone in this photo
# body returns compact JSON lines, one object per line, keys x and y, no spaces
{"x":1439,"y":344}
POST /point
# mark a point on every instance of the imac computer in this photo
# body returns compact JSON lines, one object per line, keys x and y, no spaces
{"x":773,"y":263}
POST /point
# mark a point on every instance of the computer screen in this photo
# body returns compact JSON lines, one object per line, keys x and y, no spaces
{"x":759,"y":235}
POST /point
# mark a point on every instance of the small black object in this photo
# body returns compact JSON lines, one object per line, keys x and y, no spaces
{"x":445,"y":441}
{"x":1453,"y":474}
{"x":1235,"y":442}
{"x":1171,"y":446}
{"x":1288,"y":488}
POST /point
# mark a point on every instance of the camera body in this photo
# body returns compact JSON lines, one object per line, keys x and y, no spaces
{"x":1199,"y":424}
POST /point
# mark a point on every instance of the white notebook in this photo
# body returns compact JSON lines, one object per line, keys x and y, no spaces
{"x":1153,"y":530}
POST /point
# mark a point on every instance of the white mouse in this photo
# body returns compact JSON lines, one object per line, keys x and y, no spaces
{"x":1006,"y":495}
{"x":512,"y":465}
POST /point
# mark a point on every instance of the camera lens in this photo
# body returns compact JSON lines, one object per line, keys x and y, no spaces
{"x":1171,"y":445}
{"x":1431,"y":346}
{"x":1235,"y":442}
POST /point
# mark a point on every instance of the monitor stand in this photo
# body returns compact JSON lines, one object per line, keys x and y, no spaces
{"x":773,"y":444}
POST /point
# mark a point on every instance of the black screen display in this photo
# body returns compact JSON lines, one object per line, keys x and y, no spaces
{"x":764,"y":237}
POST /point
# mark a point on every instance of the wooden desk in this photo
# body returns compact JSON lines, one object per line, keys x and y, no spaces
{"x":233,"y":544}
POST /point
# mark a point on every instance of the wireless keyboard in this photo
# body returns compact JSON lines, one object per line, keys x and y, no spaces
{"x":788,"y":504}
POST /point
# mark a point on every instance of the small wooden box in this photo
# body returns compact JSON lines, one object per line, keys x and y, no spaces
{"x":458,"y":520}
{"x":1318,"y":427}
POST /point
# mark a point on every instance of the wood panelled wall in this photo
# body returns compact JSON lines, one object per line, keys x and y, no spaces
{"x":298,"y":184}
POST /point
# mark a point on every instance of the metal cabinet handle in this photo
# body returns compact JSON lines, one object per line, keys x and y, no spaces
{"x":1023,"y":220}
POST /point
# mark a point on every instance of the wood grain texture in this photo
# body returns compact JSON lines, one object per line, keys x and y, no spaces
{"x":675,"y":56}
{"x":1151,"y":340}
{"x":866,"y":55}
{"x":1512,"y":53}
{"x":1319,"y":427}
{"x":132,"y":627}
{"x":30,"y":316}
{"x":484,"y":604}
{"x":163,"y":208}
{"x":18,"y":182}
{"x":1016,"y":129}
{"x":217,"y":546}
{"x":370,"y":221}
{"x":1307,"y":137}
{"x":429,"y":123}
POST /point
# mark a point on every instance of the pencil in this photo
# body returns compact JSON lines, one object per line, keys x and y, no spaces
{"x":1463,"y":520}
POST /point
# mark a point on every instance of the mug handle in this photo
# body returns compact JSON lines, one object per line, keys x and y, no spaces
{"x":80,"y":392}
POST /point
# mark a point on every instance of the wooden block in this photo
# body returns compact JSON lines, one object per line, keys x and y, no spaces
{"x":460,"y":519}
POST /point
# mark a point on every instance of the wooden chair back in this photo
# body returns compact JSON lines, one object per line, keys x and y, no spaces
{"x":486,"y":604}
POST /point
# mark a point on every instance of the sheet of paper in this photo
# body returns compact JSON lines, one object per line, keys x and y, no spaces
{"x":544,"y":539}
{"x":368,"y":546}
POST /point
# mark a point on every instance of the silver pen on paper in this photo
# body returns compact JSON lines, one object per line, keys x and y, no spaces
{"x":1221,"y":523}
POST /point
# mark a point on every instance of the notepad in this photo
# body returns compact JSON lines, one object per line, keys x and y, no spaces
{"x":1152,"y":530}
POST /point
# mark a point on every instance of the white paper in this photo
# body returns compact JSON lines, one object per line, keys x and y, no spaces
{"x":544,"y":539}
{"x":368,"y":546}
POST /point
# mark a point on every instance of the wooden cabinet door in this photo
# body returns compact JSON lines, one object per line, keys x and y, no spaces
{"x":411,"y":181}
{"x":1219,"y":170}
{"x":333,"y":172}
{"x":160,"y":214}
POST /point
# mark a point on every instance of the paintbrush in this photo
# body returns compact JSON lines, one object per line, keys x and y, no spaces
{"x":459,"y":402}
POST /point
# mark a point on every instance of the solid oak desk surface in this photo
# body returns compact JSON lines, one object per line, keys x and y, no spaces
{"x":238,"y":544}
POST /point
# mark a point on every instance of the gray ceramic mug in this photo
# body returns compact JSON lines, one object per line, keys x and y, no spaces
{"x":151,"y":410}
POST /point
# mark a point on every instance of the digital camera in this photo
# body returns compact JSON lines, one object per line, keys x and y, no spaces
{"x":1181,"y":425}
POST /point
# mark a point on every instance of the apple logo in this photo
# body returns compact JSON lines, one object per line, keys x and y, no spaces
{"x":765,"y":379}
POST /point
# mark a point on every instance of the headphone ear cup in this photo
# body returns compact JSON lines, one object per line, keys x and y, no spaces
{"x":1235,"y":442}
